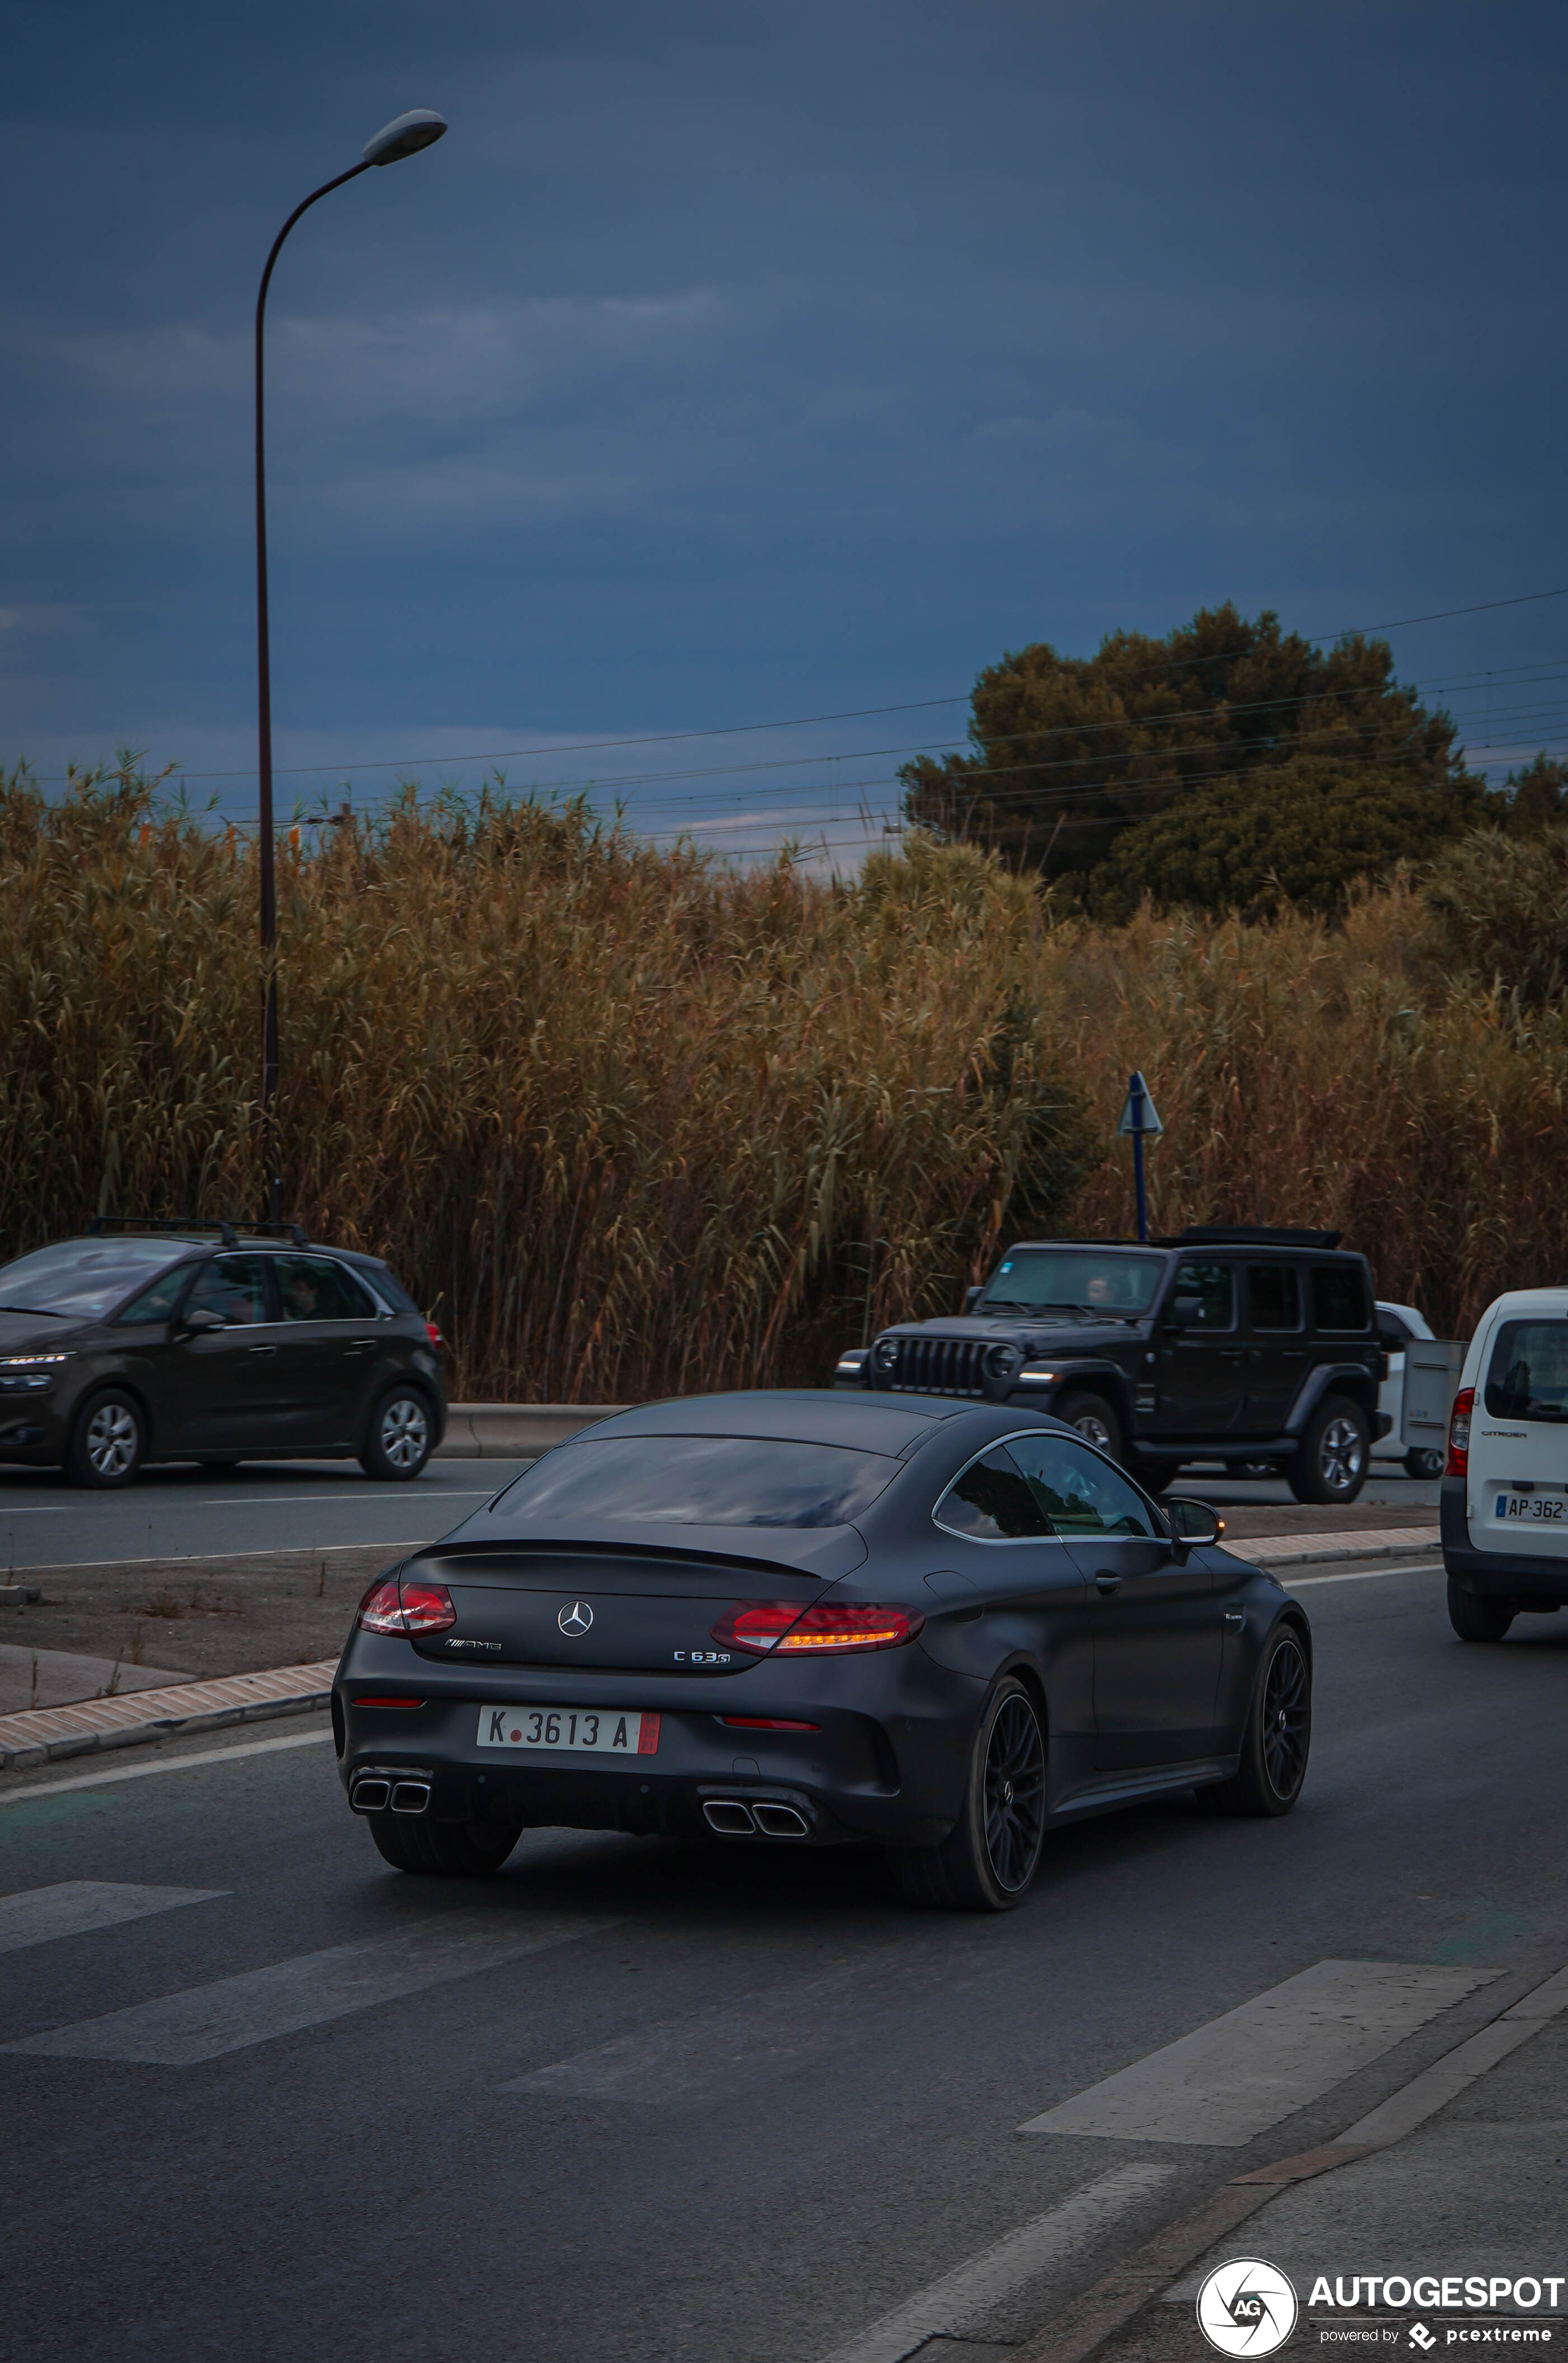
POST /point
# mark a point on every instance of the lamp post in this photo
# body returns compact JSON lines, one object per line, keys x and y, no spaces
{"x":405,"y":136}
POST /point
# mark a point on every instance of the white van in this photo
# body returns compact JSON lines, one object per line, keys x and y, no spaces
{"x":1399,"y":1328}
{"x":1504,"y":1487}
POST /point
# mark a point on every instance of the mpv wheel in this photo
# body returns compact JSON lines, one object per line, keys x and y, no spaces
{"x":988,"y":1861}
{"x":1277,"y":1739}
{"x":1421,"y":1463}
{"x":1329,"y":1465}
{"x":1476,"y":1615}
{"x":108,"y":1442}
{"x":402,"y":1436}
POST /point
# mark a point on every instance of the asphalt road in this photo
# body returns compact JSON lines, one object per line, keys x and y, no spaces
{"x":298,"y":1505}
{"x":721,"y":2106}
{"x":287,"y":1505}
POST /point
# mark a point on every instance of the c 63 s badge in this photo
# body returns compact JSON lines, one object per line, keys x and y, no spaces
{"x":702,"y":1657}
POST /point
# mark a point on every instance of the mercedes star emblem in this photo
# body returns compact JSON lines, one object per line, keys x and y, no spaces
{"x":575,"y":1619}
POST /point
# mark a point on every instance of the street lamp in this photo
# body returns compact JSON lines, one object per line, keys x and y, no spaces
{"x":405,"y":136}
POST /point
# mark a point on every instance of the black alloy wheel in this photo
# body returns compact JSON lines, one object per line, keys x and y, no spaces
{"x":1420,"y":1461}
{"x":988,"y":1860}
{"x":447,"y":1850}
{"x":108,"y":1440}
{"x":1278,"y":1738}
{"x":1096,"y":1422}
{"x":401,"y":1437}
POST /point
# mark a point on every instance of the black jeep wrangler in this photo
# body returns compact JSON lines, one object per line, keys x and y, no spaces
{"x":1243,"y":1345}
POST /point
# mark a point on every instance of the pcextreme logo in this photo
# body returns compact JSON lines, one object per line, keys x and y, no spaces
{"x":1246,"y":2307}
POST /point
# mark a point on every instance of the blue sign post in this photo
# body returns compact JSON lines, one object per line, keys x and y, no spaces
{"x":1140,"y":1121}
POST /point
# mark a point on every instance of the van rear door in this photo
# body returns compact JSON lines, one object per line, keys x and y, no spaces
{"x":1517,"y":1496}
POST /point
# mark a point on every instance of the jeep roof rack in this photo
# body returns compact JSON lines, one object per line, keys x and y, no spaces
{"x":1252,"y":1234}
{"x":228,"y":1232}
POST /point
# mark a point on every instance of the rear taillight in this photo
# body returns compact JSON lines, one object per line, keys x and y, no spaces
{"x":778,"y":1628}
{"x":434,"y":1334}
{"x":1458,"y":1462}
{"x":399,"y":1605}
{"x":764,"y":1723}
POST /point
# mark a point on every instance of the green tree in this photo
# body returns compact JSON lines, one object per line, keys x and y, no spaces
{"x":1300,"y":832}
{"x":1067,"y":751}
{"x":1537,"y":797}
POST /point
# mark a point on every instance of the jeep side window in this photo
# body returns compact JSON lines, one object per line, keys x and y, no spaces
{"x":1214,"y":1290}
{"x":1339,"y":1296}
{"x":1273,"y":1295}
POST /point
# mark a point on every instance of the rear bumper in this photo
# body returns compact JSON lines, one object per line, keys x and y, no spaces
{"x":1510,"y":1575}
{"x":887,"y":1762}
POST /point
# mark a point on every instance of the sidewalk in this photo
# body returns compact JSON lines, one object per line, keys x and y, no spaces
{"x":1476,"y":2188}
{"x":40,"y":1734}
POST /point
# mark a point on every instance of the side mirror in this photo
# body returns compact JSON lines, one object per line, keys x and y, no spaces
{"x":1187,"y":1311}
{"x":200,"y":1323}
{"x":1194,"y":1525}
{"x":972,"y":1297}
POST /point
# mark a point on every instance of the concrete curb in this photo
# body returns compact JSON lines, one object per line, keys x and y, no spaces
{"x":513,"y":1431}
{"x":40,"y":1734}
{"x":1305,"y":1550}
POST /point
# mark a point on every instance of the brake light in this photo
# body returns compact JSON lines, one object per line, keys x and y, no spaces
{"x":397,"y":1605}
{"x":434,"y":1334}
{"x":387,"y":1702}
{"x":777,"y":1626}
{"x":1458,"y":1462}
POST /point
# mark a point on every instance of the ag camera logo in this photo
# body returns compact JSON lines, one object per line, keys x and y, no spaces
{"x":1246,"y":2307}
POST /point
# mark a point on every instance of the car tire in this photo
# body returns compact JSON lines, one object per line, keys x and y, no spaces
{"x":1278,"y":1735}
{"x":1096,"y":1421}
{"x":1420,"y":1462}
{"x":1331,"y":1460}
{"x":108,"y":1440}
{"x":401,"y":1436}
{"x":444,"y":1850}
{"x":987,"y":1861}
{"x":1477,"y":1615}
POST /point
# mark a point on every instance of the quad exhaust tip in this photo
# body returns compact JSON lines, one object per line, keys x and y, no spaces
{"x":376,"y":1795}
{"x":763,"y":1819}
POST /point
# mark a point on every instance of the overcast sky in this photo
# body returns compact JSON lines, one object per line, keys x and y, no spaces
{"x":731,"y":363}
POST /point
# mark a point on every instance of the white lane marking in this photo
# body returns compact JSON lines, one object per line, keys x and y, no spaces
{"x":76,"y":1906}
{"x":1363,"y":1575}
{"x":690,"y":2061}
{"x":233,"y":2013}
{"x":205,"y":1559}
{"x":166,"y":1764}
{"x":956,"y":2306}
{"x":228,"y":1502}
{"x":1243,"y":2072}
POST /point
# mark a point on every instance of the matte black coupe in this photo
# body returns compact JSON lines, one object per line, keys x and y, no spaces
{"x":799,"y":1619}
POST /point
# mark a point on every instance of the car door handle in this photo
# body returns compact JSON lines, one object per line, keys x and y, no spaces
{"x":263,"y":1350}
{"x":1106,"y":1582}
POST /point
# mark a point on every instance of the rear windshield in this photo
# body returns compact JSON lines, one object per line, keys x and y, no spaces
{"x":1529,"y":1377}
{"x":1072,"y":1279}
{"x":83,"y":1278}
{"x":703,"y":1481}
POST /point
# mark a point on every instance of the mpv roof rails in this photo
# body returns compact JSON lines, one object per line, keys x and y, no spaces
{"x":228,"y":1232}
{"x":1254,"y":1235}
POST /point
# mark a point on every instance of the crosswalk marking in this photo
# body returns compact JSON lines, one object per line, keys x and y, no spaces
{"x":688,"y":2062}
{"x":76,"y":1906}
{"x":955,"y":2306}
{"x":204,"y":2022}
{"x":1243,"y":2072}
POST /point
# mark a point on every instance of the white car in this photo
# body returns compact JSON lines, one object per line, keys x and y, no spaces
{"x":1397,"y":1326}
{"x":1504,"y":1487}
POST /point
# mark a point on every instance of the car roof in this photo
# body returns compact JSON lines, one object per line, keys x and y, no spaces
{"x":795,"y":1415}
{"x":244,"y":1243}
{"x":1529,"y":1300}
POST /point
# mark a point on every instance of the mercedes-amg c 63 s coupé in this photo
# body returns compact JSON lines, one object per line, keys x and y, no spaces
{"x":937,"y":1627}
